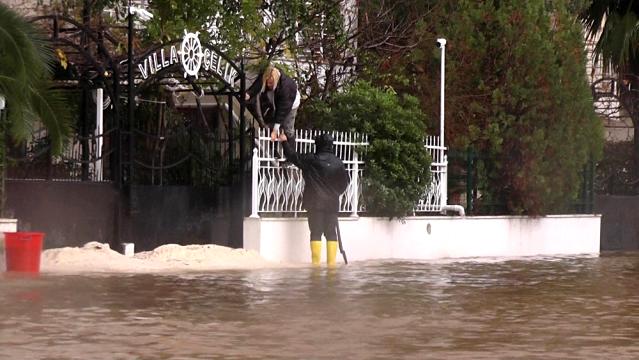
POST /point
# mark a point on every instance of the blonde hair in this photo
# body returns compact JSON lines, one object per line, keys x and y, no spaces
{"x":270,"y":72}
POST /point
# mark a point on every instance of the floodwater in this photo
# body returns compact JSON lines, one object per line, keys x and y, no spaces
{"x":531,"y":308}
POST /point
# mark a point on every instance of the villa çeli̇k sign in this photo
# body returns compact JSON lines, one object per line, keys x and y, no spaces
{"x":192,"y":58}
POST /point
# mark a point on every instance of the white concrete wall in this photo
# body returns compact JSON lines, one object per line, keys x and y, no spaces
{"x":426,"y":238}
{"x":8,"y":225}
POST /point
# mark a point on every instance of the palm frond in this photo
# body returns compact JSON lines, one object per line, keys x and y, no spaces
{"x":25,"y":70}
{"x":50,"y":109}
{"x":19,"y":128}
{"x":24,"y":51}
{"x":615,"y":44}
{"x":615,"y":25}
{"x":595,"y":15}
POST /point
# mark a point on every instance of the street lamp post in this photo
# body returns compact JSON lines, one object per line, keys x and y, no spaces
{"x":441,"y":43}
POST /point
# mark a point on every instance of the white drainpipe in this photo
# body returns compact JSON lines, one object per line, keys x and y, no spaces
{"x":444,"y":194}
{"x":458,"y":208}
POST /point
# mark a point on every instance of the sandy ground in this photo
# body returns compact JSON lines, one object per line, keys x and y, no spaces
{"x":99,"y":257}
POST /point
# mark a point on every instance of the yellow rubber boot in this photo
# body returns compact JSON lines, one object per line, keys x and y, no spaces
{"x":331,"y":252}
{"x":316,"y":251}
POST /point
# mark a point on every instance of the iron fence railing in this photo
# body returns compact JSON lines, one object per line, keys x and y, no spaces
{"x":278,"y":189}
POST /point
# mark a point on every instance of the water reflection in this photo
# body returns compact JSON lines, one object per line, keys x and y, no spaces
{"x":569,"y":307}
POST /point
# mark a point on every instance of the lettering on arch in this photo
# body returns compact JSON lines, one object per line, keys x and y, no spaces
{"x":193,"y":57}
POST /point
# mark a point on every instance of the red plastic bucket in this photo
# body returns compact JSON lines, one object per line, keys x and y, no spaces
{"x":23,"y":250}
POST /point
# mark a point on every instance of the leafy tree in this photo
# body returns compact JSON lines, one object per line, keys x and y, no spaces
{"x":319,"y":40}
{"x":616,"y":173}
{"x":397,"y":169}
{"x":516,"y":91}
{"x":24,"y":74}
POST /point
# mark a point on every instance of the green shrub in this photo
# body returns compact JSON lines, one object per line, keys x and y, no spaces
{"x":397,"y":169}
{"x":516,"y":92}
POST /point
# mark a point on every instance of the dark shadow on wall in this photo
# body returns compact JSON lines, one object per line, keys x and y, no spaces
{"x":619,"y":221}
{"x":69,"y":213}
{"x":74,"y":213}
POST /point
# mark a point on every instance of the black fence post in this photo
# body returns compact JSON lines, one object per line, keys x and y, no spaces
{"x":230,"y":136}
{"x":591,"y":186}
{"x":84,"y":133}
{"x":469,"y":179}
{"x":3,"y":160}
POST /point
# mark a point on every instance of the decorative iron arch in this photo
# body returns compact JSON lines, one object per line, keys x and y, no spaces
{"x":86,"y":47}
{"x":605,"y":93}
{"x":615,"y":109}
{"x":185,"y":65}
{"x":151,"y":67}
{"x":73,"y":36}
{"x":93,"y":49}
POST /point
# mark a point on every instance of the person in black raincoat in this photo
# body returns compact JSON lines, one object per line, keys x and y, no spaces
{"x":325,"y":179}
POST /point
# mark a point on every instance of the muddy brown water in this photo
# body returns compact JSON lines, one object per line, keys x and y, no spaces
{"x":583,"y":307}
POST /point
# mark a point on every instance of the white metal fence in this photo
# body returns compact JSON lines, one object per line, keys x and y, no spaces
{"x":277,"y":188}
{"x":82,"y":159}
{"x":435,"y":195}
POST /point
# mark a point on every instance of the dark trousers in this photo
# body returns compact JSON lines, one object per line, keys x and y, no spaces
{"x":266,"y":119}
{"x":322,"y":222}
{"x":288,"y":125}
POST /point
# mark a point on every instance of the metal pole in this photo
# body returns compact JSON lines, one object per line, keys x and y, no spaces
{"x":469,"y":179}
{"x":231,"y":142}
{"x":339,"y":242}
{"x":254,"y":181}
{"x":99,"y":124}
{"x":116,"y":163}
{"x":84,"y":132}
{"x":442,"y":44}
{"x":131,"y":98}
{"x":355,"y":181}
{"x":242,"y":133}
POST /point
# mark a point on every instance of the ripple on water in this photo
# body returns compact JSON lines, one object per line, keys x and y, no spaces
{"x":564,"y":307}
